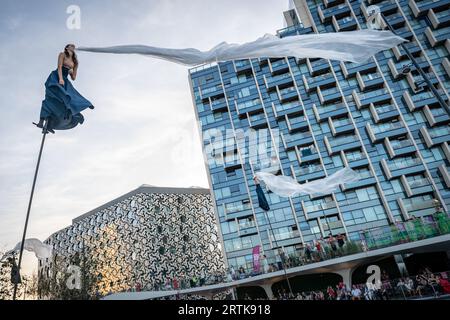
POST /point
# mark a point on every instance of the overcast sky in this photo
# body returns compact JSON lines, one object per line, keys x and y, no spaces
{"x":143,"y":129}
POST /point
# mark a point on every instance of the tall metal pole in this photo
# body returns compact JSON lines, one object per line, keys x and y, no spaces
{"x":44,"y":133}
{"x":276,"y":244}
{"x":422,"y":73}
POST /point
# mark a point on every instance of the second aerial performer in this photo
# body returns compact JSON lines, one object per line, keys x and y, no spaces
{"x":63,"y":104}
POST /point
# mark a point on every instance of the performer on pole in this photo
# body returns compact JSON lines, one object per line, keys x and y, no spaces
{"x":63,"y":103}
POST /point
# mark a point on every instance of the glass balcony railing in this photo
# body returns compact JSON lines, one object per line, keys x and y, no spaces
{"x":287,"y":106}
{"x":341,"y":122}
{"x":296,"y":136}
{"x":386,"y":127}
{"x":368,"y":240}
{"x":287,"y":91}
{"x":397,"y":144}
{"x":417,"y":204}
{"x":355,"y":156}
{"x":280,"y":77}
{"x":279,"y":63}
{"x":308,"y":170}
{"x":417,"y":183}
{"x":343,"y":140}
{"x":320,"y":206}
{"x":422,"y":96}
{"x":438,"y":132}
{"x":385,"y":108}
{"x":330,"y":108}
{"x":402,"y":164}
{"x":437,"y":112}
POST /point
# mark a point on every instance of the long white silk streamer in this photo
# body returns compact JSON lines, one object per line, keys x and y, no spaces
{"x":289,"y":187}
{"x":355,"y":46}
{"x":41,"y":250}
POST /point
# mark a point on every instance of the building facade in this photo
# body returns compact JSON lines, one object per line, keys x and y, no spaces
{"x":143,"y":239}
{"x":317,"y":116}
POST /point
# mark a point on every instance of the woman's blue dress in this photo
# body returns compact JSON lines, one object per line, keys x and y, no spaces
{"x":63,"y":104}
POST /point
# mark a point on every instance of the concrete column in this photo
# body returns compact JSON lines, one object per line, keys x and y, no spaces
{"x":346,"y":275}
{"x":268,"y":289}
{"x":401,"y":265}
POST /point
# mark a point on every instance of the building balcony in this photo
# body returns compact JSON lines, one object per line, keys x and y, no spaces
{"x":339,"y":11}
{"x":278,"y":67}
{"x":435,"y":135}
{"x":419,"y":100}
{"x":437,"y":37}
{"x":283,"y":80}
{"x":421,"y":7}
{"x":369,"y":81}
{"x":340,"y":126}
{"x":446,"y":65}
{"x":287,"y":109}
{"x":397,"y":148}
{"x":349,"y":69}
{"x":404,"y":32}
{"x":322,"y":113}
{"x":383,"y":112}
{"x":344,"y":24}
{"x":329,"y":95}
{"x":342,"y":143}
{"x":332,"y":3}
{"x":446,"y":149}
{"x":319,"y":209}
{"x":257,"y":121}
{"x":354,"y":159}
{"x":436,"y":116}
{"x":376,"y":97}
{"x":396,"y":68}
{"x":298,"y":123}
{"x":252,"y":106}
{"x":412,"y":47}
{"x":309,"y":171}
{"x":296,"y":139}
{"x":416,"y":207}
{"x":443,"y":171}
{"x":312,"y":83}
{"x":308,"y":154}
{"x":219,"y":104}
{"x":242,"y":66}
{"x":214,"y":92}
{"x":417,"y":186}
{"x":396,"y":20}
{"x":318,"y":67}
{"x":414,"y":79}
{"x":287,"y":94}
{"x":439,"y":19}
{"x":401,"y":166}
{"x":384,"y":130}
{"x":366,"y":179}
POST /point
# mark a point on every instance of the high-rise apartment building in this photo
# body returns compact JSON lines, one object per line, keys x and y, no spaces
{"x":315,"y":116}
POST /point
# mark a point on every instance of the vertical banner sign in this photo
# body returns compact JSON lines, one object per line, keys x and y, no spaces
{"x":256,"y":265}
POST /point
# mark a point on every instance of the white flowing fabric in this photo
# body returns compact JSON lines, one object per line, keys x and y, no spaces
{"x":289,"y":187}
{"x":40,"y":249}
{"x":355,"y":46}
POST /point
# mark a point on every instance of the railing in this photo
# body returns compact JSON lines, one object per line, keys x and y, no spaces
{"x":397,"y":144}
{"x":299,"y":135}
{"x":333,"y":107}
{"x":417,"y":183}
{"x":401,"y":164}
{"x":344,"y":140}
{"x":386,"y":127}
{"x":437,"y":132}
{"x":372,"y":239}
{"x":278,"y":78}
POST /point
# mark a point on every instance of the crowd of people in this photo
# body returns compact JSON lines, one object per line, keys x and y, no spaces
{"x":424,"y":284}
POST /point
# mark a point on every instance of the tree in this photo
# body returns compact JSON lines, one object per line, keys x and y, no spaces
{"x":26,"y":289}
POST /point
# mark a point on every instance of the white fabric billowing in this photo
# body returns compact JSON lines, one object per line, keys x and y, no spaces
{"x":355,"y":46}
{"x":41,"y":250}
{"x":289,"y":187}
